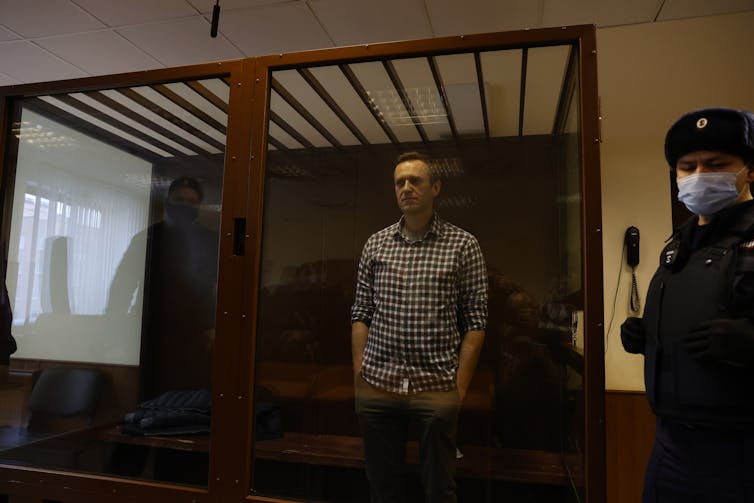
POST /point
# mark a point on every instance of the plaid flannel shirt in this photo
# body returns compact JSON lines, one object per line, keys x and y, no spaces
{"x":418,"y":299}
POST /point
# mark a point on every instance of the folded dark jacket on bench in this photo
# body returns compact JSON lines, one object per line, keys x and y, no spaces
{"x":177,"y":412}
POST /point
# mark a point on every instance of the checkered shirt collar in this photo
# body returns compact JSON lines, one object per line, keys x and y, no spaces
{"x":436,"y":227}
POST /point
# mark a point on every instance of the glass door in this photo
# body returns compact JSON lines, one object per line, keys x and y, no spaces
{"x":502,"y":133}
{"x":114,"y":201}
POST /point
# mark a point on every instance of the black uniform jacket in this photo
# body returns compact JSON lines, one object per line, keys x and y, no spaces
{"x":706,"y":272}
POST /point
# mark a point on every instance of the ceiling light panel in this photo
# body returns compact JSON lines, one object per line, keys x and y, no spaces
{"x":427,"y":105}
{"x":384,"y":98}
{"x":458,"y":73}
{"x":295,"y":84}
{"x":502,"y":79}
{"x":545,"y":72}
{"x":337,"y":85}
{"x":103,"y":125}
{"x":130,"y":122}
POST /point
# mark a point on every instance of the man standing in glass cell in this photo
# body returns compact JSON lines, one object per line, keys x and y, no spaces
{"x":418,"y":325}
{"x":178,"y":291}
{"x":697,"y":333}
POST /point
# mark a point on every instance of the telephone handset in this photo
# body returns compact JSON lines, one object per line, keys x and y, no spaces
{"x":631,"y":242}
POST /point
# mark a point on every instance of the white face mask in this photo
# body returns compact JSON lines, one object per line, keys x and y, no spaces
{"x":707,"y":193}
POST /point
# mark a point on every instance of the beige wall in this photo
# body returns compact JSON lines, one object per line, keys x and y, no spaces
{"x":650,"y":74}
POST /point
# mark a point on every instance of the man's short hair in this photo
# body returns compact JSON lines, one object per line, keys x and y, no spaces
{"x":418,"y":156}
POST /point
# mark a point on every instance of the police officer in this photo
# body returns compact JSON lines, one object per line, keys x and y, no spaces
{"x":697,"y":333}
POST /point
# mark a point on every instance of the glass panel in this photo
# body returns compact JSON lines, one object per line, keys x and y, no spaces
{"x":571,"y":301}
{"x":112,"y":280}
{"x":294,"y":82}
{"x":520,"y":426}
{"x":346,"y":97}
{"x":385,"y":99}
{"x":420,"y":91}
{"x":542,"y":88}
{"x":291,"y":118}
{"x":459,"y":77}
{"x":502,"y":78}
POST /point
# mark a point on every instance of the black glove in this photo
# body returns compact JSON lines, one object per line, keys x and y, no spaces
{"x":632,"y":335}
{"x":723,"y":340}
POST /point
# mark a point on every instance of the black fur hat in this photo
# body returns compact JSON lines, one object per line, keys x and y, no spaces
{"x":718,"y":129}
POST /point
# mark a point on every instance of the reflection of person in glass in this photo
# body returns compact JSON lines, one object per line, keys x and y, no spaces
{"x":530,"y":353}
{"x":697,"y":331}
{"x":528,"y":378}
{"x":178,"y":293}
{"x":418,"y":325}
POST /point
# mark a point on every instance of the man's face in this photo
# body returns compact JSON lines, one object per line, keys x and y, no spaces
{"x":185,"y":196}
{"x":414,"y":191}
{"x":709,"y":161}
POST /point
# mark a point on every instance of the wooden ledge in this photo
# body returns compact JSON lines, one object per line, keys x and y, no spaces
{"x":519,"y":465}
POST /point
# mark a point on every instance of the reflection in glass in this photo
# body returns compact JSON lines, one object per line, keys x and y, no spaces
{"x":511,"y":177}
{"x":112,"y":276}
{"x":72,"y":224}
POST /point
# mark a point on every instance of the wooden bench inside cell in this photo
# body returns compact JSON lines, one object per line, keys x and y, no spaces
{"x":479,"y":462}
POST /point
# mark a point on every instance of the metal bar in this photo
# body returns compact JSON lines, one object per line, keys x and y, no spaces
{"x":208,"y":95}
{"x":107,"y":119}
{"x":42,"y":107}
{"x":276,"y":143}
{"x":310,"y":79}
{"x":566,"y":93}
{"x":290,"y":130}
{"x":157,"y":109}
{"x":441,"y":89}
{"x":189,"y":107}
{"x":301,"y":109}
{"x":396,"y":80}
{"x":482,"y":93}
{"x":135,"y":116}
{"x":356,"y":84}
{"x":522,"y":95}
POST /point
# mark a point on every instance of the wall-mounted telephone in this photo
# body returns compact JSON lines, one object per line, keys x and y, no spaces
{"x":631,"y":242}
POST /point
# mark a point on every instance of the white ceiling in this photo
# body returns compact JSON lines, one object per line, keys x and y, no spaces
{"x":43,"y":40}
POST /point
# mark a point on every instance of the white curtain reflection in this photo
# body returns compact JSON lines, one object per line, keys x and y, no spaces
{"x":76,"y":208}
{"x":75,"y":228}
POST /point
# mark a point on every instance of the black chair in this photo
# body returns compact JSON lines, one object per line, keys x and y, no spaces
{"x":63,"y":400}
